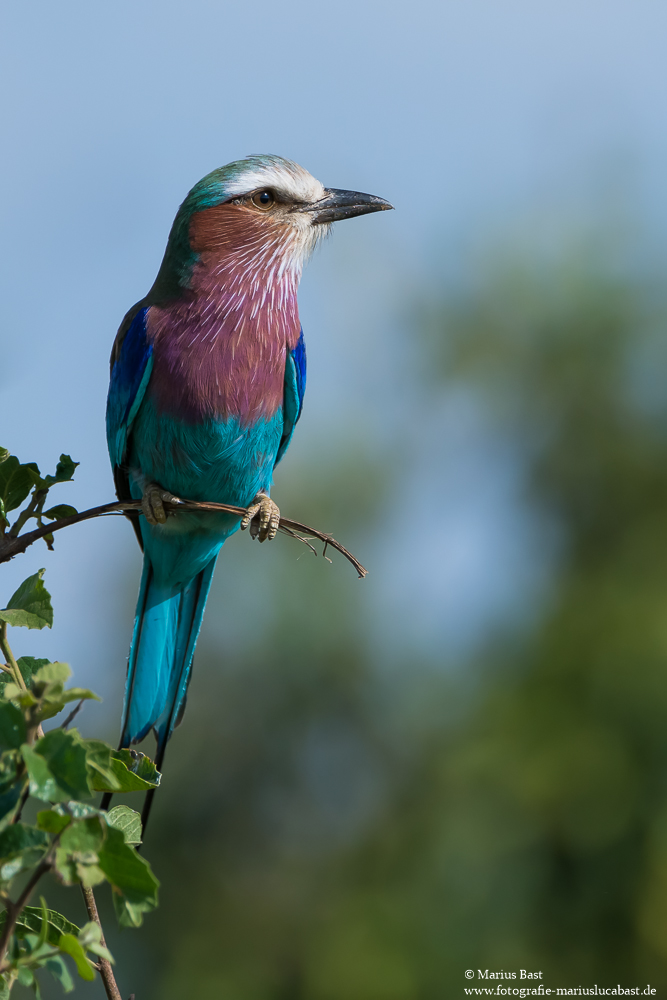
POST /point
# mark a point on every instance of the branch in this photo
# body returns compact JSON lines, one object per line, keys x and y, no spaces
{"x":72,"y":715}
{"x":105,"y":970}
{"x":5,"y":648}
{"x":10,"y":547}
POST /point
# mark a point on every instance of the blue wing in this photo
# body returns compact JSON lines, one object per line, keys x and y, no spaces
{"x":132,"y":363}
{"x":295,"y":388}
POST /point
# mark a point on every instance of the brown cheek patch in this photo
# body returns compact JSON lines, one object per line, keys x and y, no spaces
{"x":223,"y":229}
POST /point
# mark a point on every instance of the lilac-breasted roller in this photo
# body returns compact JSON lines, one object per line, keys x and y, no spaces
{"x":208,"y":373}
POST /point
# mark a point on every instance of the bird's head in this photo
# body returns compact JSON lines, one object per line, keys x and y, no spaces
{"x":262,"y":209}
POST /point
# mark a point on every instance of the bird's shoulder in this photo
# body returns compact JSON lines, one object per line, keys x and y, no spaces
{"x":128,"y":321}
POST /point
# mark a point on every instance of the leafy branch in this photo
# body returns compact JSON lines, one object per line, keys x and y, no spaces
{"x":80,"y":843}
{"x":13,"y":543}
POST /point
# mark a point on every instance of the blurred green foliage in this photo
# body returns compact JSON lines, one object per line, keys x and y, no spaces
{"x":351,"y":847}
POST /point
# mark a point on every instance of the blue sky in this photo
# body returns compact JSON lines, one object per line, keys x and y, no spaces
{"x":467,"y":115}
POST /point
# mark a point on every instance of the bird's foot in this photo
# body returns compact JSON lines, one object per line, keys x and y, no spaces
{"x":152,"y":503}
{"x":262,"y":517}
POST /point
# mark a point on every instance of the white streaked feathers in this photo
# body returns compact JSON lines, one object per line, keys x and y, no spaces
{"x":284,"y":176}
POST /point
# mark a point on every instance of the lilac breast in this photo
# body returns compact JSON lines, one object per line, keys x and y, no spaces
{"x":220,"y":350}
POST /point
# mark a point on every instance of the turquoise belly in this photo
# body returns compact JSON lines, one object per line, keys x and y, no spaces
{"x":214,"y":460}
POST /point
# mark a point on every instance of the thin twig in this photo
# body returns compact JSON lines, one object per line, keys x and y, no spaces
{"x":22,"y":801}
{"x":33,"y":509}
{"x":10,"y":547}
{"x":72,"y":715}
{"x":11,"y":661}
{"x":104,"y":967}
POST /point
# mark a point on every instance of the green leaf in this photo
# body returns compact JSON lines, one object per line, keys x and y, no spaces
{"x":124,"y":777}
{"x":47,"y":685}
{"x":11,"y":785}
{"x":140,"y":765}
{"x":43,"y":784}
{"x":16,"y":481}
{"x":101,"y":772}
{"x":79,"y":694}
{"x":64,"y":471}
{"x":60,"y":510}
{"x":65,"y":756}
{"x":25,"y":976}
{"x":24,"y":619}
{"x":70,"y":946}
{"x":83,"y":836}
{"x":57,"y":767}
{"x":18,"y":837}
{"x":4,"y":988}
{"x":59,"y":971}
{"x":52,"y":821}
{"x":12,"y":726}
{"x":30,"y":606}
{"x":29,"y":665}
{"x":90,"y":937}
{"x":128,"y":821}
{"x":30,"y":922}
{"x":127,"y":914}
{"x":4,"y":454}
{"x":77,"y":810}
{"x":77,"y":855}
{"x":21,"y":847}
{"x":135,"y":885}
{"x":14,"y":693}
{"x":51,"y":673}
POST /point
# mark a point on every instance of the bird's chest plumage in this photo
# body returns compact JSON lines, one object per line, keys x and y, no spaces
{"x":211,"y":360}
{"x":219,"y":350}
{"x":211,"y":422}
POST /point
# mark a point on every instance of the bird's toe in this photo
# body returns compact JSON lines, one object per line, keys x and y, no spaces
{"x":262,"y":517}
{"x":152,"y":503}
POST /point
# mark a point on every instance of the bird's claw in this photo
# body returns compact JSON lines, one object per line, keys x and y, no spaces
{"x":152,"y":503}
{"x":262,"y":517}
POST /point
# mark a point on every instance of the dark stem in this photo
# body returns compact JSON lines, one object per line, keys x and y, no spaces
{"x":72,"y":715}
{"x":34,"y":509}
{"x":145,"y":813}
{"x":150,"y":795}
{"x":106,"y":972}
{"x":106,"y":801}
{"x":10,"y":547}
{"x":22,"y":801}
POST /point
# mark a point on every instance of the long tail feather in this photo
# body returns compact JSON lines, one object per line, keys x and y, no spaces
{"x":166,"y":628}
{"x":190,"y":614}
{"x":165,"y":633}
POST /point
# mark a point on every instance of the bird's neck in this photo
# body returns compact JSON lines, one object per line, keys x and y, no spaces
{"x":220,"y":346}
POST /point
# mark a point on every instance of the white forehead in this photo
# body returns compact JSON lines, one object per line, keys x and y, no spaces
{"x":282,"y":175}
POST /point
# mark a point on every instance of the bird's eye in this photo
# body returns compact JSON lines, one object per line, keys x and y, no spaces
{"x":263,"y":200}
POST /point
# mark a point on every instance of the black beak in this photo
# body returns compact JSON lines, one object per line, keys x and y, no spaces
{"x":338,"y":204}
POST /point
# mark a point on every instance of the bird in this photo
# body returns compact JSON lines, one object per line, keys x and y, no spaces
{"x":208,"y":374}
